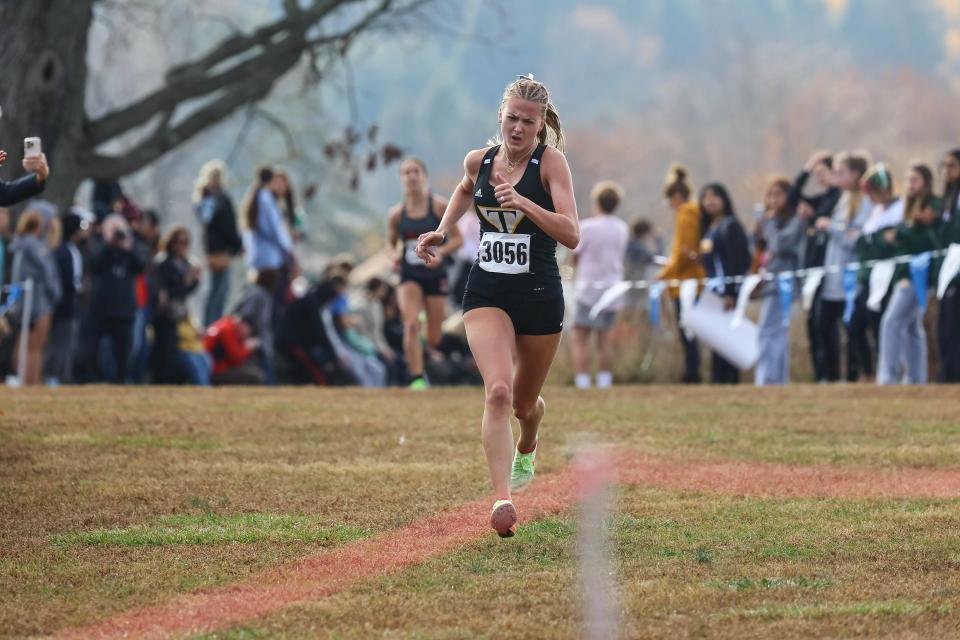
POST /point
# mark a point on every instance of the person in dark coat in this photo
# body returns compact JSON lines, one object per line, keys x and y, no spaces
{"x":948,"y":321}
{"x":812,"y":206}
{"x":105,"y":195}
{"x":173,"y":279}
{"x":65,"y":333}
{"x":725,"y":253}
{"x":221,"y":238}
{"x":115,"y":268}
{"x":28,"y":186}
{"x":304,"y":340}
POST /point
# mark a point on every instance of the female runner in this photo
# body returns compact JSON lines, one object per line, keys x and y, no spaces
{"x":422,"y":286}
{"x":522,"y":190}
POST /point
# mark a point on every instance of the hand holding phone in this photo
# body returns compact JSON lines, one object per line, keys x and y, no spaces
{"x":31,"y":147}
{"x":37,"y":164}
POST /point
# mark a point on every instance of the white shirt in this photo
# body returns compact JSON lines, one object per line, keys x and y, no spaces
{"x":600,"y":255}
{"x":883,"y":217}
{"x":469,"y":227}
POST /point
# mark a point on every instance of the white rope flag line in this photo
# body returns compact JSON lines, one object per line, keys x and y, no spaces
{"x":812,"y":275}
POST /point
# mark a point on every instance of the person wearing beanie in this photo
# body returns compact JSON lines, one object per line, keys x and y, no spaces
{"x":65,"y":331}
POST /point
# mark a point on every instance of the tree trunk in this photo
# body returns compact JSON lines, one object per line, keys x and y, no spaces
{"x":43,"y":59}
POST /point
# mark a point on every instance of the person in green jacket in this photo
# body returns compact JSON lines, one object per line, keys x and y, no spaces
{"x":886,"y":212}
{"x":903,"y":340}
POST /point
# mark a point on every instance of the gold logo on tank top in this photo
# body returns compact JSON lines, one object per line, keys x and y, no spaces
{"x":506,"y":220}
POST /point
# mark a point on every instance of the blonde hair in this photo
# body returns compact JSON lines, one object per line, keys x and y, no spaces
{"x":857,"y":162}
{"x":33,"y":222}
{"x":607,"y":194}
{"x":54,"y":233}
{"x":677,"y":183}
{"x":526,"y":88}
{"x":29,"y":223}
{"x":213,"y":175}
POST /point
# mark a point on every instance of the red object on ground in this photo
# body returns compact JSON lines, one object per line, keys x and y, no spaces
{"x":330,"y":572}
{"x":223,"y":342}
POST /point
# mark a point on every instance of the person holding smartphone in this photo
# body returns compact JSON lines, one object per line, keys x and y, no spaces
{"x":35,"y":163}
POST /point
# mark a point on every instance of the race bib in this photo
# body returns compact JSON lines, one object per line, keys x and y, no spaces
{"x":410,"y":254}
{"x":504,"y":253}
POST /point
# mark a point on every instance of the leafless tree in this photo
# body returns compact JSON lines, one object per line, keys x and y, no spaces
{"x":44,"y":58}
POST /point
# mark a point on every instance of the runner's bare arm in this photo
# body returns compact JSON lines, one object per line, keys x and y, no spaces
{"x":393,"y":223}
{"x":564,"y":225}
{"x":459,"y":203}
{"x":454,"y":237}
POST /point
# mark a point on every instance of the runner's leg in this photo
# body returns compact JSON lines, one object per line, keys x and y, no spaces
{"x":535,"y":355}
{"x":410,"y":301}
{"x":491,"y":338}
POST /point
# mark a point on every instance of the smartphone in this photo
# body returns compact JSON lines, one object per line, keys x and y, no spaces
{"x":31,"y":147}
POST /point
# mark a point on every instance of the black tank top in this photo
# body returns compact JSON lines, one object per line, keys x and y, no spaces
{"x":409,"y":229}
{"x":516,"y":255}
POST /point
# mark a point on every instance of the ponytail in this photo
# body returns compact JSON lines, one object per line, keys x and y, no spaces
{"x":551,"y":121}
{"x":250,"y":208}
{"x":677,"y":183}
{"x":526,"y":88}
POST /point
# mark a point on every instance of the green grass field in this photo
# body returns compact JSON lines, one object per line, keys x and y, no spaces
{"x":115,"y":499}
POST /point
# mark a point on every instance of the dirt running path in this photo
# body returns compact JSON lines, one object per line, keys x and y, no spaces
{"x":756,"y":478}
{"x":332,"y":571}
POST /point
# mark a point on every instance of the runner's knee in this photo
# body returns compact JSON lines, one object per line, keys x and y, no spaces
{"x":499,"y":395}
{"x":524,"y":409}
{"x":411,"y":326}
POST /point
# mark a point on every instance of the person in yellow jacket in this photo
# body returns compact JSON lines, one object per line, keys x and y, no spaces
{"x":684,"y":260}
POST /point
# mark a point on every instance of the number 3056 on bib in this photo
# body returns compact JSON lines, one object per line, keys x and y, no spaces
{"x":505,"y":253}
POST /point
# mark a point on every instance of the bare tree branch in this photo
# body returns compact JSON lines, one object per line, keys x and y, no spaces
{"x":293,"y":150}
{"x":164,"y":138}
{"x":280,"y":46}
{"x":193,"y":80}
{"x":241,"y":138}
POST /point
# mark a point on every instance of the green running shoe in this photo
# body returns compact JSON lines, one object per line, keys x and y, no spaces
{"x":522,"y":473}
{"x":503,"y":518}
{"x":419,"y":384}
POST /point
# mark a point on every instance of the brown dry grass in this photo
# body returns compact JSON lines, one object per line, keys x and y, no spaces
{"x":688,"y":566}
{"x":75,"y":460}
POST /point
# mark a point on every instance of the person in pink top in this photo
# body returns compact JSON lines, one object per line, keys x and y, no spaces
{"x":599,"y":263}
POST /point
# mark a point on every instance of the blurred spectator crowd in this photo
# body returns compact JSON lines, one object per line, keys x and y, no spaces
{"x":114,"y":288}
